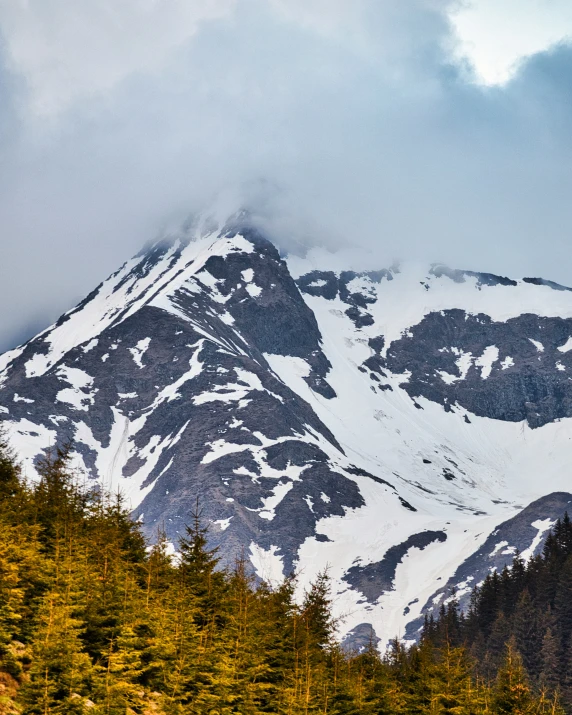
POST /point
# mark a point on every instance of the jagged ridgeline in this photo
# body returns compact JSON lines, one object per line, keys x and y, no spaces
{"x":94,"y":621}
{"x":386,"y":421}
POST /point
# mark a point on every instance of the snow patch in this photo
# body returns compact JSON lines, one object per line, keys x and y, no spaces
{"x":36,"y":365}
{"x":498,"y":547}
{"x":363,"y":285}
{"x":538,"y":345}
{"x":235,"y":391}
{"x":253,"y":290}
{"x":171,"y":392}
{"x":487,"y":360}
{"x":77,"y":395}
{"x":270,"y":503}
{"x":566,"y":347}
{"x":223,"y":523}
{"x":110,"y":460}
{"x":5,"y":360}
{"x":207,"y":279}
{"x":543,"y":525}
{"x":78,"y":379}
{"x":220,"y":448}
{"x":267,"y":563}
{"x":310,"y":502}
{"x":28,"y":441}
{"x":92,"y":344}
{"x":17,"y":398}
{"x":463,"y":363}
{"x":447,"y":377}
{"x":139,"y":350}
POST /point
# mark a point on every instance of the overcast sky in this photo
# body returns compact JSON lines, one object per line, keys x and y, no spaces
{"x":430,"y":129}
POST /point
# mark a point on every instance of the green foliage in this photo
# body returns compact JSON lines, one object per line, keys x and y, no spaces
{"x":91,"y":621}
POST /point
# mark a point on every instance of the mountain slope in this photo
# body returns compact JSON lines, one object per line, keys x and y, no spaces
{"x":382,"y":422}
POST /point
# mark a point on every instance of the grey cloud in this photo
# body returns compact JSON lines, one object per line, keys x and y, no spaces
{"x":372,"y":137}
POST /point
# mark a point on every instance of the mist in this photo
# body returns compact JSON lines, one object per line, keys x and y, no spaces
{"x":338,"y":124}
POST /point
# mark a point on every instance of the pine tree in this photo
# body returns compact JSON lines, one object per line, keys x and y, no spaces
{"x":565,"y":662}
{"x":563,"y":603}
{"x":235,"y":673}
{"x":514,"y":582}
{"x":61,"y":670}
{"x":173,"y":650}
{"x":452,"y":691}
{"x":23,"y":573}
{"x":114,"y":558}
{"x":315,"y":637}
{"x":496,"y":647}
{"x":382,"y":690}
{"x":277,"y":639}
{"x":396,"y":660}
{"x":512,"y":694}
{"x":528,"y":635}
{"x":550,"y":674}
{"x":59,"y":503}
{"x":117,"y":687}
{"x":247,"y":620}
{"x":13,"y":492}
{"x":487,"y":605}
{"x":197,"y":568}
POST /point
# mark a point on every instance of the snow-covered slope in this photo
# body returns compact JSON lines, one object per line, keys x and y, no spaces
{"x":523,"y":534}
{"x":381,"y":422}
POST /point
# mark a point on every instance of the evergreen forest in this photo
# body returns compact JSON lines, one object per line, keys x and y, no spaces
{"x":95,"y":620}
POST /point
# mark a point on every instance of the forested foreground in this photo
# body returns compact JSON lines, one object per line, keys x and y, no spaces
{"x":92,"y":621}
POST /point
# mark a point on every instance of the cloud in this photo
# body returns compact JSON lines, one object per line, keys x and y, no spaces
{"x":69,"y":51}
{"x":498,"y":35}
{"x":354,"y":126}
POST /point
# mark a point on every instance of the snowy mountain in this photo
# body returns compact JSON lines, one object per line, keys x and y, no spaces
{"x":383,"y":423}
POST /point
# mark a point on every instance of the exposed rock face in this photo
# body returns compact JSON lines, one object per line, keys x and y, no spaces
{"x":442,"y":355}
{"x":383,"y":422}
{"x":450,"y":353}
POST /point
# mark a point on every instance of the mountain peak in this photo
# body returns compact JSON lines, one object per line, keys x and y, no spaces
{"x":384,"y":421}
{"x":152,"y":273}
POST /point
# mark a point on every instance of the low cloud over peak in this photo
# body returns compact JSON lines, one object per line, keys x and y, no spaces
{"x":351,"y":126}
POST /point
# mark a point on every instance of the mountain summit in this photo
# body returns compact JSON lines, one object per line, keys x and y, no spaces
{"x":384,"y":423}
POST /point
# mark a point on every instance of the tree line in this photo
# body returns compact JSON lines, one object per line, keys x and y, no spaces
{"x":528,"y":606}
{"x":95,"y":620}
